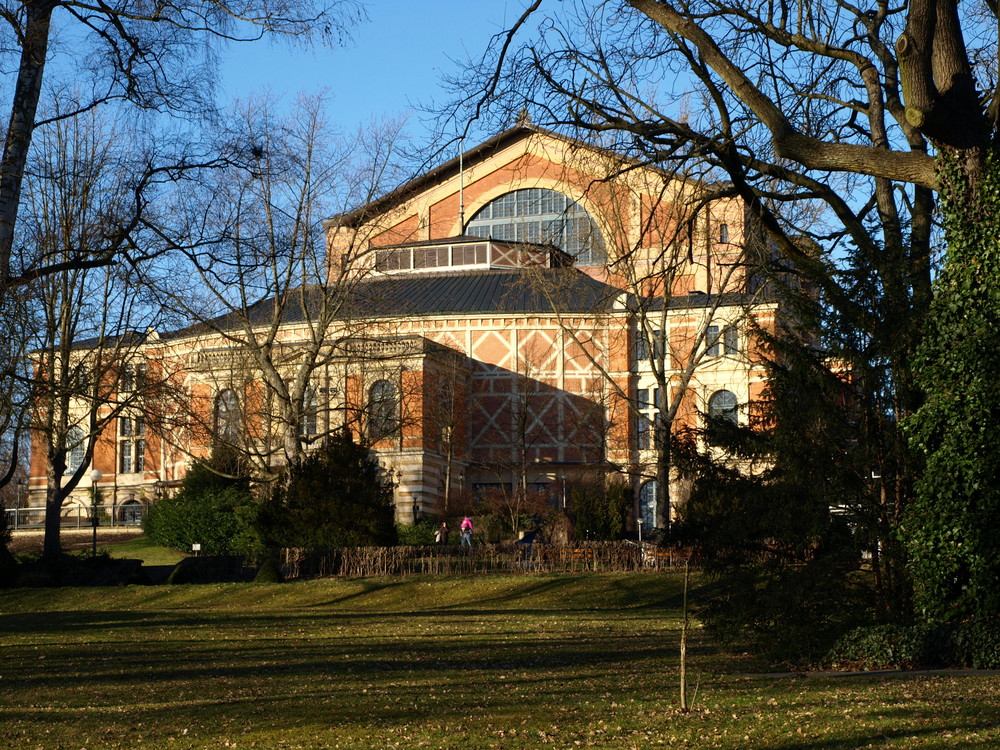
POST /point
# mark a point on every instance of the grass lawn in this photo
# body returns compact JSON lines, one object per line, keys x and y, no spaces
{"x":141,"y":548}
{"x":491,"y":662}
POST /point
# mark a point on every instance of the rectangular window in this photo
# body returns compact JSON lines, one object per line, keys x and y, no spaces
{"x":132,"y":445}
{"x":712,"y":341}
{"x":642,"y":347}
{"x":641,"y":433}
{"x":125,"y":457}
{"x":641,"y":352}
{"x":392,"y":260}
{"x":468,"y":255}
{"x":731,"y":340}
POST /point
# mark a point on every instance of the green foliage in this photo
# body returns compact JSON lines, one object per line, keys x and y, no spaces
{"x":785,"y":566}
{"x":952,"y":530}
{"x":418,"y":534}
{"x":600,"y":510}
{"x":970,"y":644}
{"x":213,"y":510}
{"x":334,"y":498}
{"x":269,"y":571}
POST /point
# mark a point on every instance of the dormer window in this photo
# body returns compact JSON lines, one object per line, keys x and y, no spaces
{"x":465,"y":253}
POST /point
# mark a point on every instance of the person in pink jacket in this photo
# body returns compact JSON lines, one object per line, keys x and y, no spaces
{"x":466,"y":532}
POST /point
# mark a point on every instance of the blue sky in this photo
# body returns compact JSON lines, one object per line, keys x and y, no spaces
{"x":395,"y":62}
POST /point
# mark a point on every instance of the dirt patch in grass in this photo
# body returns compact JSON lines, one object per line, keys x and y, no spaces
{"x":30,"y":542}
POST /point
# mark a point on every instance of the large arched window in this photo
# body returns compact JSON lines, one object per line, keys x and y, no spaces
{"x":382,"y":407}
{"x":723,"y":405}
{"x":228,"y":420}
{"x":647,"y":504}
{"x":543,"y":217}
{"x":76,"y":449}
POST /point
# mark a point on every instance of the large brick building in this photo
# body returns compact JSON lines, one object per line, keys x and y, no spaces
{"x":511,"y":320}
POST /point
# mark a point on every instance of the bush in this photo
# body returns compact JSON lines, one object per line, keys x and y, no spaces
{"x":418,"y":534}
{"x":600,"y":511}
{"x":969,"y":644}
{"x":269,"y":571}
{"x":217,"y":512}
{"x":334,"y":498}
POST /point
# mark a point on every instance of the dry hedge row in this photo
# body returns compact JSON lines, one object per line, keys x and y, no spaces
{"x":584,"y":557}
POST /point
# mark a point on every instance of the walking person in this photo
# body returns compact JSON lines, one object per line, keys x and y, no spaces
{"x":466,"y":532}
{"x":441,"y":535}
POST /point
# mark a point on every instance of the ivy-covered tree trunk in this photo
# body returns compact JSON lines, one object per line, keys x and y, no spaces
{"x":952,"y":531}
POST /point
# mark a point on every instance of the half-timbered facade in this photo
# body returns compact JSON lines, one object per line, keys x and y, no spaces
{"x":501,"y":329}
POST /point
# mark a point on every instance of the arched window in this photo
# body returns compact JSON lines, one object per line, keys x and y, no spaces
{"x":722,"y":405}
{"x":382,"y":405}
{"x":647,"y":504}
{"x":76,"y":449}
{"x":543,"y":217}
{"x":228,"y":420}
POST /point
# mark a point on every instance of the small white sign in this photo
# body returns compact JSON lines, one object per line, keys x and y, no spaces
{"x":196,"y":547}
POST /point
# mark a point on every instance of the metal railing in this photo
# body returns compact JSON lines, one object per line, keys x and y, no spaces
{"x":78,"y":517}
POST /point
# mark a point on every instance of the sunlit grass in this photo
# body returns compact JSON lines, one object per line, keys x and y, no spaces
{"x":141,"y":548}
{"x":519,"y":662}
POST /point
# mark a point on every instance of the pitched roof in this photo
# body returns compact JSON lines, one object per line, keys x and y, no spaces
{"x":473,"y":292}
{"x":524,"y":291}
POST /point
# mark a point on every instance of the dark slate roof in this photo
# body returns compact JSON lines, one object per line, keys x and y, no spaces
{"x":481,"y":291}
{"x":473,"y":292}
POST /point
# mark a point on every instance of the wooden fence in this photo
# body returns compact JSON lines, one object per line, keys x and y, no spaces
{"x":583,"y":557}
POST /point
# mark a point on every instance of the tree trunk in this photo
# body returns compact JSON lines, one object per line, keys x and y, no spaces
{"x":54,"y":496}
{"x":663,"y":463}
{"x":27,"y":91}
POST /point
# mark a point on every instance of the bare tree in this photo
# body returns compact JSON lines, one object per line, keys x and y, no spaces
{"x":154,"y":57}
{"x":277,"y":319}
{"x":820,"y":116}
{"x":92,"y":321}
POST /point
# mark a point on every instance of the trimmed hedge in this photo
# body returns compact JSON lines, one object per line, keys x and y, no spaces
{"x":969,"y":644}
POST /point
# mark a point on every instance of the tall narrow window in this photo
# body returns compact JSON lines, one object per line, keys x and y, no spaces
{"x":730,"y":340}
{"x":723,"y":233}
{"x":647,"y":504}
{"x":642,"y":441}
{"x":382,"y":407}
{"x":131,"y":445}
{"x":647,"y":404}
{"x":76,"y":449}
{"x":712,"y":344}
{"x":309,"y":426}
{"x":132,"y":377}
{"x":228,"y":420}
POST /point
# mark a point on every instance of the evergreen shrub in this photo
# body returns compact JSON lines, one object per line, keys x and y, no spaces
{"x":974,"y":644}
{"x":214,"y":510}
{"x":334,"y":498}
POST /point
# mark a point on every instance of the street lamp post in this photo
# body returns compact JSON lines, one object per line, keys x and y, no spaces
{"x":95,"y":477}
{"x":563,"y":477}
{"x":640,"y":529}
